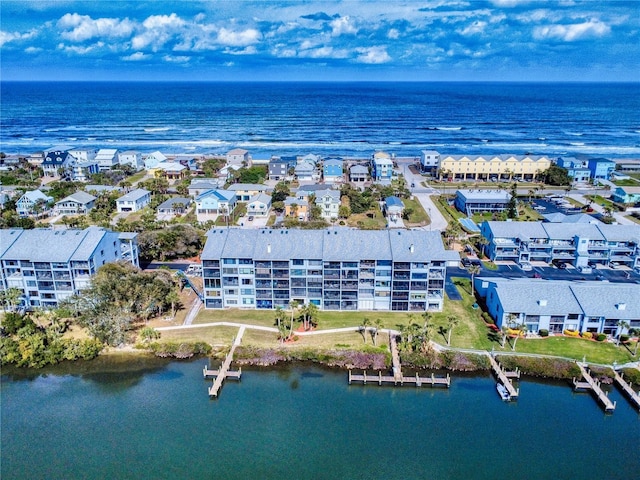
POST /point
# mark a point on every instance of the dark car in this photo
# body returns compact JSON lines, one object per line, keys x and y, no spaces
{"x":465,"y":262}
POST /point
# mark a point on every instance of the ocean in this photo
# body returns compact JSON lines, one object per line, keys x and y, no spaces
{"x":84,"y":420}
{"x":343,"y":119}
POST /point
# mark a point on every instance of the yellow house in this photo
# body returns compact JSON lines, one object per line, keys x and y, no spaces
{"x":296,"y":207}
{"x":498,"y":167}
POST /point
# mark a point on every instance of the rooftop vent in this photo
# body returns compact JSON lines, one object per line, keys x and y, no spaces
{"x":621,"y":306}
{"x":268,"y":248}
{"x":411,"y":248}
{"x":542,"y":302}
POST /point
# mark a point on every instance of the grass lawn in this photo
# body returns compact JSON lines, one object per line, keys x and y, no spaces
{"x":632,"y":218}
{"x":575,"y":348}
{"x":630,"y":182}
{"x":137,"y":176}
{"x":600,"y":200}
{"x":449,"y":212}
{"x":418,"y":215}
{"x":370,"y":220}
{"x":574,"y":202}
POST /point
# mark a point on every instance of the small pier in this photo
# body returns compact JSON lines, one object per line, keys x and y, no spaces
{"x":397,"y":378}
{"x":629,"y":392}
{"x":418,"y":381}
{"x":594,"y":385}
{"x":223,"y":372}
{"x":505,"y":376}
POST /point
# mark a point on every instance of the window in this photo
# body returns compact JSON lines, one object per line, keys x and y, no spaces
{"x":246,"y":291}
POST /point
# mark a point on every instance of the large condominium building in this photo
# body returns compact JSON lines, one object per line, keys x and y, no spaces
{"x":498,"y":167}
{"x":576,"y":243}
{"x":51,"y":265}
{"x":335,"y":269}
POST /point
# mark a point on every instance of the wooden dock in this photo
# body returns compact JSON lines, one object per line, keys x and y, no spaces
{"x":505,"y":377}
{"x":223,"y":372}
{"x":593,"y":385}
{"x":418,"y":381}
{"x":627,"y":389}
{"x":395,"y":359}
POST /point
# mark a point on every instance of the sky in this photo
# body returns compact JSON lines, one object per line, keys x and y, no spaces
{"x":359,"y":40}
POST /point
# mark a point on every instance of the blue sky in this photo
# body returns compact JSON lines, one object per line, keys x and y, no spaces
{"x":510,"y":40}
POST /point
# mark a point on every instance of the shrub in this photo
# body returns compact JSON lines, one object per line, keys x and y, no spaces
{"x":601,"y":337}
{"x":631,"y":375}
{"x":587,"y":335}
{"x":624,"y":338}
{"x":542,"y":367}
{"x":180,"y":350}
{"x":543,"y":332}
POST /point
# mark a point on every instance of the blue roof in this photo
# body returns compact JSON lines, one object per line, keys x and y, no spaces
{"x":393,"y":202}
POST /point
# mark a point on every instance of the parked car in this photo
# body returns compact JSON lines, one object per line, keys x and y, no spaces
{"x":250,"y":218}
{"x":585,"y":269}
{"x":465,"y":262}
{"x":526,"y":266}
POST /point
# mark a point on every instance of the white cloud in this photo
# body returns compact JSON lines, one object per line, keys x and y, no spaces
{"x":571,"y":33}
{"x":159,"y":29}
{"x":163,"y":21}
{"x":476,"y":28}
{"x":324,"y":52}
{"x":393,"y":34}
{"x":135,"y":57}
{"x":176,"y":58}
{"x":81,"y":50}
{"x":342,"y":25}
{"x":250,"y":50}
{"x":32,"y":50}
{"x":373,"y":55}
{"x":238,"y":39}
{"x":510,"y":3}
{"x":83,"y":27}
{"x":6,"y":37}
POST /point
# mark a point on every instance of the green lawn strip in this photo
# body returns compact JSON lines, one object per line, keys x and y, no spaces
{"x":574,"y":202}
{"x":632,"y":218}
{"x":370,"y":220}
{"x":217,"y":335}
{"x":418,"y":215}
{"x":627,"y":182}
{"x":137,"y":176}
{"x":575,"y":348}
{"x":600,"y":200}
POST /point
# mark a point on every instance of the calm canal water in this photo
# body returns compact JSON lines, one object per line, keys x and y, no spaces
{"x":301,"y":422}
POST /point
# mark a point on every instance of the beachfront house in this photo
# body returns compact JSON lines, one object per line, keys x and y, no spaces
{"x":577,"y":169}
{"x":559,"y":305}
{"x":151,"y":160}
{"x":358,"y":174}
{"x":333,"y":170}
{"x":304,"y":171}
{"x":81,"y":171}
{"x":259,"y":205}
{"x":470,"y":202}
{"x":169,"y":209}
{"x":601,"y":168}
{"x":83,"y":154}
{"x":75,"y":204}
{"x":238,"y":156}
{"x":48,"y":266}
{"x":133,"y":201}
{"x":381,"y":167}
{"x":57,"y":163}
{"x":34,"y":203}
{"x":131,"y":157}
{"x":335,"y":269}
{"x":212,"y":203}
{"x":429,"y":162}
{"x":493,"y":167}
{"x":107,"y":158}
{"x":626,"y":195}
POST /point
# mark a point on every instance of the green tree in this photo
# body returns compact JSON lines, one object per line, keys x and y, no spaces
{"x":377,"y":325}
{"x":148,"y":334}
{"x":452,"y":321}
{"x":310,"y":315}
{"x":344,"y":211}
{"x":473,"y":270}
{"x":363,"y":328}
{"x":512,"y":205}
{"x":293,"y":306}
{"x":622,"y":326}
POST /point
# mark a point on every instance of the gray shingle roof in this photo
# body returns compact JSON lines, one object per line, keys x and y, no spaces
{"x":79,"y":197}
{"x":134,"y":195}
{"x":567,"y":232}
{"x":522,"y":230}
{"x":331,"y":244}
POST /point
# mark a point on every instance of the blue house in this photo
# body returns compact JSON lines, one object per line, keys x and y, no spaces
{"x":332,"y":170}
{"x":576,"y":169}
{"x":627,"y":195}
{"x":382,"y":167}
{"x":212,"y":203}
{"x":601,"y":167}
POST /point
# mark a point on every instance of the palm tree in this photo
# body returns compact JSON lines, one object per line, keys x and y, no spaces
{"x":310,"y":315}
{"x":503,"y":335}
{"x":280,"y":316}
{"x":377,"y":325}
{"x":452,"y":321}
{"x":523,"y":330}
{"x":173,"y":298}
{"x":293,"y":305}
{"x":636,"y":332}
{"x":363,"y":328}
{"x":622,"y":325}
{"x":531,"y":193}
{"x":473,"y":270}
{"x":483,"y":242}
{"x":12,"y":296}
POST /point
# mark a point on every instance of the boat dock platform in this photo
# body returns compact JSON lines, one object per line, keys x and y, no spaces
{"x":594,"y":385}
{"x":505,"y":376}
{"x":629,"y":392}
{"x":418,"y":381}
{"x":398,"y":378}
{"x":223,"y":372}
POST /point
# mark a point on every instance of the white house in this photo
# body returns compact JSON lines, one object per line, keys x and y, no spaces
{"x":304,"y":171}
{"x":131,"y":157}
{"x":358,"y":173}
{"x":82,"y":171}
{"x":201,"y":185}
{"x":133,"y":201}
{"x":259,"y":205}
{"x":83,"y":154}
{"x":32,"y":203}
{"x":76,"y":203}
{"x":172,"y":207}
{"x":237,"y":156}
{"x":107,"y":158}
{"x":393,"y":207}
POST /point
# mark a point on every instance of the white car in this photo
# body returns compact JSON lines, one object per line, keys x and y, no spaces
{"x":526,"y":267}
{"x":586,"y":269}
